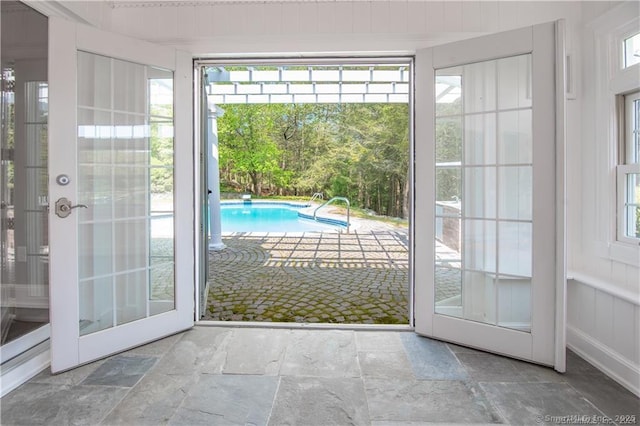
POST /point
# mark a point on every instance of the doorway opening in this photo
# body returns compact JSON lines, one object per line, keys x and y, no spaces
{"x":322,"y":149}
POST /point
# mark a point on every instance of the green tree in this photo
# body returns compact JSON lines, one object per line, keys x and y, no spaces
{"x":378,"y":136}
{"x":246,"y":135}
{"x":360,"y":151}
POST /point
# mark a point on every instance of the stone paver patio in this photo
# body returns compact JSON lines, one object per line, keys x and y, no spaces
{"x":357,"y":278}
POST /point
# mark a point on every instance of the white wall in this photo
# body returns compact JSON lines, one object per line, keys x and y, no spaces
{"x":604,"y":298}
{"x":603,"y":313}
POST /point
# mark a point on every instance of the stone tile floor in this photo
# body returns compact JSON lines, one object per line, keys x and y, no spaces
{"x":277,"y":376}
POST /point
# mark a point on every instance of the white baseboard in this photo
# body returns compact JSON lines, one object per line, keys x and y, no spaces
{"x":605,"y":359}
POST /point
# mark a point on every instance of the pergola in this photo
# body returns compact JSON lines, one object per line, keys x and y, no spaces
{"x":386,"y":83}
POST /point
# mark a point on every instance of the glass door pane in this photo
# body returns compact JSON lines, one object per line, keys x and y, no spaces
{"x":125,"y":180}
{"x":24,"y":195}
{"x":484,"y":187}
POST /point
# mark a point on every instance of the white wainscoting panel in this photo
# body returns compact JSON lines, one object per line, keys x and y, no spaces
{"x":603,"y":327}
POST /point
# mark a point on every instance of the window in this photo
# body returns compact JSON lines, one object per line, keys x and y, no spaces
{"x":629,"y":171}
{"x":631,"y":54}
{"x":611,"y":188}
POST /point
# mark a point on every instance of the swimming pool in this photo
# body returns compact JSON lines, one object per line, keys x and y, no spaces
{"x":248,"y":216}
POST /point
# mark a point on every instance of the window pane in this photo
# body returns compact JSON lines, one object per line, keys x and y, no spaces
{"x":94,"y":82}
{"x":128,"y":94}
{"x":125,"y":144}
{"x":484,"y":156}
{"x":480,"y":192}
{"x":632,"y":207}
{"x":632,"y":50}
{"x":96,"y":311}
{"x":480,"y":87}
{"x":515,"y":193}
{"x":24,"y":196}
{"x":131,"y":295}
{"x":514,"y":82}
{"x":632,"y":133}
{"x":448,"y":288}
{"x":448,"y":140}
{"x":93,"y":149}
{"x":480,"y":139}
{"x":448,"y":181}
{"x":515,"y":130}
{"x":448,"y":92}
{"x":480,"y":245}
{"x":516,"y":246}
{"x":95,"y":248}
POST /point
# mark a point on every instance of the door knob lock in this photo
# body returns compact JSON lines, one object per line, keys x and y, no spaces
{"x":64,"y":207}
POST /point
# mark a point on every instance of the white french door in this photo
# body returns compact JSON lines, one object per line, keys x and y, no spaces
{"x":121,"y":250}
{"x":489,"y":269}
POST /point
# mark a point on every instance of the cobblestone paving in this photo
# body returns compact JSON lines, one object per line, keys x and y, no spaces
{"x":357,"y":278}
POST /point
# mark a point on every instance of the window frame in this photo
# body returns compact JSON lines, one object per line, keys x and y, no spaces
{"x":628,"y":163}
{"x":612,"y":79}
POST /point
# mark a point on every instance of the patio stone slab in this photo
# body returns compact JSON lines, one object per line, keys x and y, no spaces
{"x":485,"y":367}
{"x":426,"y":401}
{"x":154,"y":400}
{"x":325,"y":353}
{"x":610,"y":397}
{"x":379,"y":341}
{"x":255,"y":351}
{"x":539,"y":403}
{"x":228,"y":400}
{"x":197,"y":350}
{"x":431,"y":359}
{"x":44,"y":404}
{"x":385,"y":364}
{"x":320,"y":401}
{"x":121,"y":370}
{"x":71,"y":377}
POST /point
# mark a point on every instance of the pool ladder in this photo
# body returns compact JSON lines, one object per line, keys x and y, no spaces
{"x":326,"y":203}
{"x":315,"y":196}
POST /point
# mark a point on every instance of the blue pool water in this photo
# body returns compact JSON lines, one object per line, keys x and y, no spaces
{"x":268,"y":217}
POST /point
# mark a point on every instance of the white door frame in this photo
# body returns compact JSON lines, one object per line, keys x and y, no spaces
{"x":68,"y":348}
{"x":546,"y":343}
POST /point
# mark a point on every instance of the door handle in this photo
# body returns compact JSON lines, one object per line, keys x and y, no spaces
{"x":64,"y":207}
